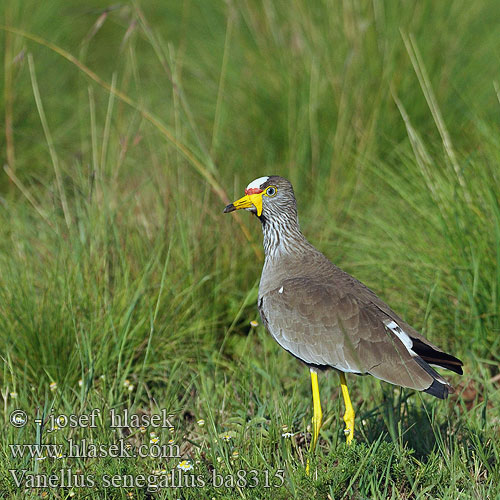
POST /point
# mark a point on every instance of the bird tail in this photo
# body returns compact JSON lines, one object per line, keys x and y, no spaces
{"x":439,"y":388}
{"x":435,"y":357}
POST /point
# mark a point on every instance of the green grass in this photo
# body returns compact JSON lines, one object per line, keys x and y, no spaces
{"x":125,"y":132}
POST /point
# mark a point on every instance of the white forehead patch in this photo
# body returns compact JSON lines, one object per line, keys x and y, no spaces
{"x":257,"y":182}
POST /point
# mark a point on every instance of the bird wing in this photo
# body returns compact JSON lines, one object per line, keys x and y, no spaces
{"x":325,"y":325}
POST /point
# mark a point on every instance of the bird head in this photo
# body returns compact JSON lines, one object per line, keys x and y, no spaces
{"x":266,"y":197}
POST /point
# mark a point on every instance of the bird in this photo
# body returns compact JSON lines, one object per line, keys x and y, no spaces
{"x":328,"y":319}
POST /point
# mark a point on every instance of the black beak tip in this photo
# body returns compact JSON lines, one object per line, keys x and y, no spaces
{"x":229,"y":208}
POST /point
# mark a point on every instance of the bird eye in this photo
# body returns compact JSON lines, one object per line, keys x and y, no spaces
{"x":271,"y":191}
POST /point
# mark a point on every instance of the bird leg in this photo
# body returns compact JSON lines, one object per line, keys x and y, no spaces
{"x":318,"y":414}
{"x":349,"y":410}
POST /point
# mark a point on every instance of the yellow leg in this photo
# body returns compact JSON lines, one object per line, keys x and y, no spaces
{"x":317,"y":413}
{"x":349,"y":410}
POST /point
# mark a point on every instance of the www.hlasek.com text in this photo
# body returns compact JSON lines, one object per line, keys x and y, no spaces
{"x":87,"y":449}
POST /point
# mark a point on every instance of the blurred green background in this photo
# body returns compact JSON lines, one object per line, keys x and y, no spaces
{"x":125,"y":130}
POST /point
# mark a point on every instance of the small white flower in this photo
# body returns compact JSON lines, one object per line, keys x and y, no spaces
{"x":13,"y":395}
{"x":130,"y":388}
{"x":201,"y":422}
{"x":287,"y":434}
{"x":126,"y":382}
{"x":254,"y":324}
{"x":40,"y":458}
{"x":185,"y":465}
{"x":80,"y":383}
{"x":53,"y":386}
{"x":154,"y":440}
{"x":226,"y":437}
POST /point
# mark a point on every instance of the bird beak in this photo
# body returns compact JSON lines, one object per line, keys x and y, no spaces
{"x":248,"y":201}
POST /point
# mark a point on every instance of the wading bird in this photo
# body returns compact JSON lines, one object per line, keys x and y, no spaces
{"x":328,"y":319}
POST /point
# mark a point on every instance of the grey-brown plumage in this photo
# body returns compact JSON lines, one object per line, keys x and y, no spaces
{"x":325,"y":317}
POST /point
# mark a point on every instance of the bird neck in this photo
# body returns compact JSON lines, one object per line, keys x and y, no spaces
{"x":282,"y":236}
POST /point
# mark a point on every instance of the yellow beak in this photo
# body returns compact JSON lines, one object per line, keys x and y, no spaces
{"x":248,"y":201}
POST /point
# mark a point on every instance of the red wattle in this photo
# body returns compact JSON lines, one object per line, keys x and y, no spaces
{"x":253,"y":191}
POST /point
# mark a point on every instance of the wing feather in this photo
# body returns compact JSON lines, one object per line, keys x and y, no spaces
{"x":326,"y":325}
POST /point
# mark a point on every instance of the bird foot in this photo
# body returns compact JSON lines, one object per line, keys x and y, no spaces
{"x":349,"y":429}
{"x":349,"y":435}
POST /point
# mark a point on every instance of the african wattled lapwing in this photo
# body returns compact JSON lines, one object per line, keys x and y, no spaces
{"x":328,"y":319}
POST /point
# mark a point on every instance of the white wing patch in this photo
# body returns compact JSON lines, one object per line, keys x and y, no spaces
{"x":257,"y":182}
{"x":401,"y":335}
{"x":280,"y":290}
